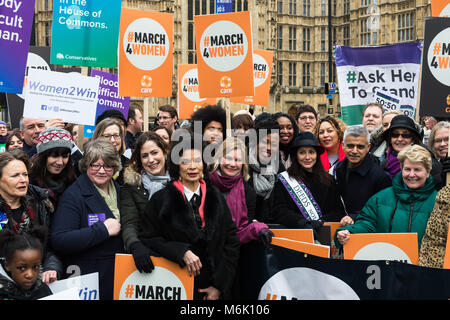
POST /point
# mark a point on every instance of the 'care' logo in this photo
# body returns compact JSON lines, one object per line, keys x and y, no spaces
{"x":146,"y":44}
{"x":439,"y":57}
{"x":146,"y":84}
{"x":223,"y":46}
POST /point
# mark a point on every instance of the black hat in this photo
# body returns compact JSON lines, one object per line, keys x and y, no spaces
{"x":306,"y":139}
{"x":405,"y":122}
{"x":111,"y":113}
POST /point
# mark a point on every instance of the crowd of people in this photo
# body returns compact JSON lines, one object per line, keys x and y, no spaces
{"x":195,"y":192}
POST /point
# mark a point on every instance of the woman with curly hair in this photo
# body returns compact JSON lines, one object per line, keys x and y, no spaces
{"x":213,"y":121}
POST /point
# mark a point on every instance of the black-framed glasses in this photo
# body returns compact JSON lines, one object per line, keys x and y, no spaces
{"x":96,"y":167}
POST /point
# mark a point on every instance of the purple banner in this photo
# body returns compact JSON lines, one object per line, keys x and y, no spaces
{"x":16,"y":19}
{"x":108,"y":94}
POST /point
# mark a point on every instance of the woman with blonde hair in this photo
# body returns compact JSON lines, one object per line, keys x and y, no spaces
{"x":230,"y":175}
{"x":404,"y":207}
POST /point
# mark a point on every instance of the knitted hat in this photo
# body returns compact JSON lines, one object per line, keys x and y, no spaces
{"x":54,"y":138}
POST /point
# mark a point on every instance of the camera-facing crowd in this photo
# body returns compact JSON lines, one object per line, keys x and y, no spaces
{"x":195,"y":192}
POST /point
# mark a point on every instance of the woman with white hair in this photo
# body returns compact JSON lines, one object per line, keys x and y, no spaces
{"x":404,"y":207}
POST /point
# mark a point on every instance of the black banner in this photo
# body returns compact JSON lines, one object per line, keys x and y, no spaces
{"x":283,"y":274}
{"x":435,"y":81}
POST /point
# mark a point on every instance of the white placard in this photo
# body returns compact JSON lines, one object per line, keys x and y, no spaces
{"x":69,"y":294}
{"x":68,"y":96}
{"x":87,"y":286}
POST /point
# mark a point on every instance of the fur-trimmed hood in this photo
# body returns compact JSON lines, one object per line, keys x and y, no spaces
{"x":131,"y":177}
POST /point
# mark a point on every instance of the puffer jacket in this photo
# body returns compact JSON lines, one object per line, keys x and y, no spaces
{"x":396,"y":209}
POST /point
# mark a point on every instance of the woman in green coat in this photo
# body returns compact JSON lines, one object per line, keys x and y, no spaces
{"x":404,"y":207}
{"x":146,"y":174}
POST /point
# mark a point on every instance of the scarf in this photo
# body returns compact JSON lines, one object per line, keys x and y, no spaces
{"x":57,"y":187}
{"x":264,"y":177}
{"x":154,"y":183}
{"x":326,"y":161}
{"x":26,"y":220}
{"x":234,"y":187}
{"x":179,"y":185}
{"x":392,"y":165}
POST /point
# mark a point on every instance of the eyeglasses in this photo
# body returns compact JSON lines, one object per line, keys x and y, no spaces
{"x":358,"y":146}
{"x":96,"y":167}
{"x":404,"y":135}
{"x":108,"y":136}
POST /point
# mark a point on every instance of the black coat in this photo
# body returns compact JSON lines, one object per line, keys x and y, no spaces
{"x":286,"y":212}
{"x":362,"y":183}
{"x":170,"y":229}
{"x":87,"y":246}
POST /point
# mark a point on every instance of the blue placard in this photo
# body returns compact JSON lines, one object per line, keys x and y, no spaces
{"x":224,"y":6}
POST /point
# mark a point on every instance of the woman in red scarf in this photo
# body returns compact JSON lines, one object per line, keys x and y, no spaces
{"x":330,"y":134}
{"x":230,"y":176}
{"x":188,"y":222}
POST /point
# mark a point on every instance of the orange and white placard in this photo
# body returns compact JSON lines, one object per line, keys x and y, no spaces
{"x":224,"y":55}
{"x":447,"y":251}
{"x":401,"y":247}
{"x":304,"y":235}
{"x":145,"y":53}
{"x":166,"y":282}
{"x":262,"y":73}
{"x":305,"y":247}
{"x":440,"y":8}
{"x":189,"y":100}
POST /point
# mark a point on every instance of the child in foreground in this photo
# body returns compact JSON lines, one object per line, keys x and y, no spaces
{"x":20,"y":267}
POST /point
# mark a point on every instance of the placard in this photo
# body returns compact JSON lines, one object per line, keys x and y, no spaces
{"x":85,"y":32}
{"x":86,"y":286}
{"x":224,"y":54}
{"x":447,"y":251}
{"x":401,"y":247}
{"x":303,"y":235}
{"x":108,"y":94}
{"x":440,"y":8}
{"x":189,"y":100}
{"x":16,"y":19}
{"x":364,"y":70}
{"x":305,"y":247}
{"x":262,"y":74}
{"x":145,"y":54}
{"x":435,"y":81}
{"x":166,"y":282}
{"x":51,"y":94}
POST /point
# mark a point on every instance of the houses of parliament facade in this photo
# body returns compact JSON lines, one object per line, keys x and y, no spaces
{"x":295,"y":30}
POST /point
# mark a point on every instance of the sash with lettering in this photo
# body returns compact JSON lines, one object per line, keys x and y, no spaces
{"x":302,"y":197}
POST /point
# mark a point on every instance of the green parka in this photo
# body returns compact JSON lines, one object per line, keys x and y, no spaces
{"x":396,"y":209}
